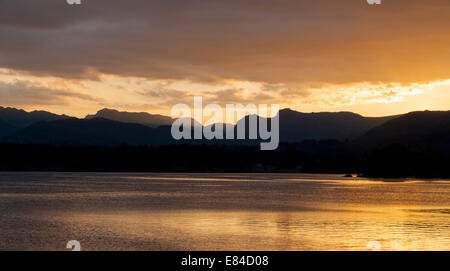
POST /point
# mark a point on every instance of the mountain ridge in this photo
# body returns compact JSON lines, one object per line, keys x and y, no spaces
{"x":424,"y":129}
{"x":144,"y":118}
{"x":427,"y":128}
{"x":20,"y":118}
{"x":87,"y":132}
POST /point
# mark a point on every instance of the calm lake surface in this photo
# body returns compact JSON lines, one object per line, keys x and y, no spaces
{"x":43,"y":211}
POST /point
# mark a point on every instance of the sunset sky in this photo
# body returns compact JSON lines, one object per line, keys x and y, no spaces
{"x":148,"y":55}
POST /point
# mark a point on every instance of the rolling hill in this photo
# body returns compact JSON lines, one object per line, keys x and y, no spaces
{"x":415,"y":130}
{"x":20,"y":118}
{"x":297,"y":126}
{"x":5,"y":129}
{"x":89,"y":132}
{"x":133,"y":117}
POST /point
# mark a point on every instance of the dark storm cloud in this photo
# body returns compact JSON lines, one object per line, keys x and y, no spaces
{"x":286,"y":41}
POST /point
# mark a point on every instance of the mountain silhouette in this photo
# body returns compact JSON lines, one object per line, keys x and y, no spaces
{"x":297,"y":126}
{"x":414,"y":144}
{"x":415,"y":130}
{"x":133,"y":117}
{"x":89,"y":132}
{"x":5,"y":129}
{"x":19,"y":118}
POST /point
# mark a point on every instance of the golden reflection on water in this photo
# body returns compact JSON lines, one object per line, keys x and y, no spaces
{"x":221,"y":212}
{"x":349,"y":228}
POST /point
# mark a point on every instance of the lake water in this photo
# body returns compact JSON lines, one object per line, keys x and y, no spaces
{"x":43,"y":211}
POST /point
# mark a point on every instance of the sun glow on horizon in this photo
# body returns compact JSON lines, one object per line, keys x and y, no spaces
{"x":80,"y":97}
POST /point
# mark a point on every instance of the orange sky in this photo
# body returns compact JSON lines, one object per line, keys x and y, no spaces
{"x":321,"y":55}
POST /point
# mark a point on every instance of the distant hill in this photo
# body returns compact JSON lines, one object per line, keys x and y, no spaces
{"x":294,"y":126}
{"x":133,"y":117}
{"x":114,"y":128}
{"x":416,"y":130}
{"x":89,"y":132}
{"x":415,"y":144}
{"x":297,"y":127}
{"x":19,"y":118}
{"x":5,"y":129}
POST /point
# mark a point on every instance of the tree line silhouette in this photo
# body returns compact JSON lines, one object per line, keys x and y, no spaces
{"x":325,"y":156}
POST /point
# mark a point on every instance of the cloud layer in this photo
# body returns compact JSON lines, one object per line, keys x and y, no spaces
{"x":147,"y":55}
{"x":286,"y":41}
{"x":31,"y":93}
